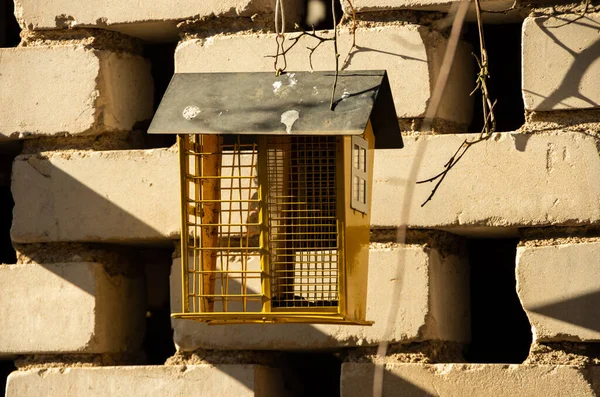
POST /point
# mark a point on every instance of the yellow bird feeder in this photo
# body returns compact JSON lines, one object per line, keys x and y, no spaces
{"x":275,"y":192}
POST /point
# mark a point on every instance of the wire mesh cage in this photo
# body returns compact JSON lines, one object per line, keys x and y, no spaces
{"x":262,"y":221}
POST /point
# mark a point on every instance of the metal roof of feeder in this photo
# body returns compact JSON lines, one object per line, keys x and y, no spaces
{"x":294,"y":103}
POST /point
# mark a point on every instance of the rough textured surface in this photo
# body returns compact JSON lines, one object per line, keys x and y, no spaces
{"x":91,"y":39}
{"x":437,"y":5}
{"x":71,"y":90}
{"x":433,"y":305}
{"x":117,"y":260}
{"x":564,"y":353}
{"x":113,"y":196}
{"x":155,"y":381}
{"x":68,"y":308}
{"x":428,"y":352}
{"x":147,"y":19}
{"x":558,"y":287}
{"x":481,"y":380}
{"x":559,"y":62}
{"x":509,"y":181}
{"x":382,"y":8}
{"x":223,"y":357}
{"x":578,"y":120}
{"x":403,"y":50}
{"x":44,"y":361}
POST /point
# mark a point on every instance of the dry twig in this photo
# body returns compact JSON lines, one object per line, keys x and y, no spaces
{"x":489,"y":125}
{"x":336,"y":54}
{"x":282,"y":50}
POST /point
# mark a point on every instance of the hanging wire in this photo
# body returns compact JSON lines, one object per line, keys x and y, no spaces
{"x":280,"y":37}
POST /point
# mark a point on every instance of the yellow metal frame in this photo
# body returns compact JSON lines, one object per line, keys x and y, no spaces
{"x":268,"y":314}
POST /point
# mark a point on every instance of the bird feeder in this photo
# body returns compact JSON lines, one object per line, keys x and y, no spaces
{"x":276,"y":192}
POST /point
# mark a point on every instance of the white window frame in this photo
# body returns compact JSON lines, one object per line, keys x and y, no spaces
{"x":359,"y":176}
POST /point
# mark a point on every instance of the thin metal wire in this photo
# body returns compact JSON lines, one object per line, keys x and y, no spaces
{"x":225,"y":270}
{"x":303,"y":243}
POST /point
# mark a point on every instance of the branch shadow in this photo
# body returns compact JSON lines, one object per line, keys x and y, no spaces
{"x":360,"y":49}
{"x":582,"y":61}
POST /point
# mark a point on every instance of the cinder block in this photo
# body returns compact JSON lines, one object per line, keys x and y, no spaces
{"x":113,"y":196}
{"x":558,"y":282}
{"x":433,"y":305}
{"x":510,"y":181}
{"x":150,"y":19}
{"x":74,"y":307}
{"x":149,"y":381}
{"x":407,"y":50}
{"x":559,"y":62}
{"x":481,"y":380}
{"x":500,"y":185}
{"x":60,"y":90}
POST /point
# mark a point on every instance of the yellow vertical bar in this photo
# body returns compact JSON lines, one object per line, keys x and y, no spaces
{"x":263,"y":219}
{"x":183,"y":191}
{"x":340,"y":182}
{"x":211,"y":207}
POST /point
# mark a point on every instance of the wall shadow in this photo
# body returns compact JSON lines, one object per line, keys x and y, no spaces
{"x":582,"y":310}
{"x":94,"y":206}
{"x":582,"y":60}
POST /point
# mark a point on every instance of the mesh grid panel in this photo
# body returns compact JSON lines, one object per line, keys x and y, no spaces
{"x":224,"y":270}
{"x":303,"y":227}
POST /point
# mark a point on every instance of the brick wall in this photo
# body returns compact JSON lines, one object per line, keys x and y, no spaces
{"x":497,"y":277}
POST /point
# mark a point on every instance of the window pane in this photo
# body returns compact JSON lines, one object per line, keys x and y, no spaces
{"x":363,"y":191}
{"x":356,"y":189}
{"x":363,"y":160}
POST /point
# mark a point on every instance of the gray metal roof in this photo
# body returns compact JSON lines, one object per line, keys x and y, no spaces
{"x":294,"y":103}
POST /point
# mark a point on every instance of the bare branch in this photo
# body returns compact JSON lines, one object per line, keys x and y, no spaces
{"x":454,"y":160}
{"x":489,"y":125}
{"x":282,"y":51}
{"x":337,"y":56}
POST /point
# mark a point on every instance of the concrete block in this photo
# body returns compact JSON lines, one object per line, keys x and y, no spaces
{"x":133,"y":196}
{"x":126,"y":196}
{"x":149,"y":381}
{"x":481,"y":380}
{"x":72,"y":307}
{"x":150,"y":19}
{"x":559,"y":62}
{"x":509,"y":181}
{"x":408,"y":50}
{"x":59,"y":90}
{"x":433,"y":305}
{"x":558,"y":282}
